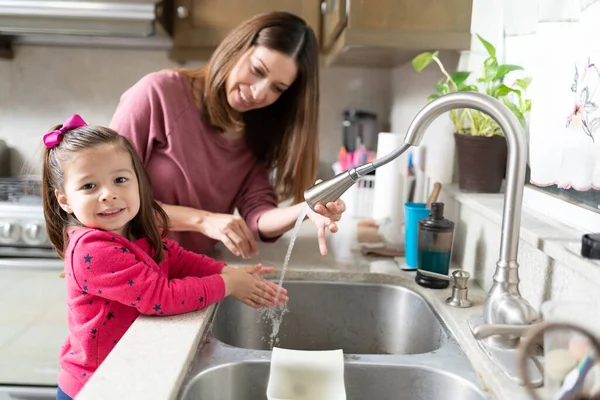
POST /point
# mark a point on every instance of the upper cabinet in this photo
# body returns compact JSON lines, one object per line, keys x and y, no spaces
{"x":379,"y":33}
{"x":386,"y":33}
{"x":200,"y":25}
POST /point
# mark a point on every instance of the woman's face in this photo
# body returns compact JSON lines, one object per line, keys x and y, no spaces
{"x":259,"y":78}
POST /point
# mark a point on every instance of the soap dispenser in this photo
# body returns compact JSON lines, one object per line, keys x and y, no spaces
{"x":435,"y":238}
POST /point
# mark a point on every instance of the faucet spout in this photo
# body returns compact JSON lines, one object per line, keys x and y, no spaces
{"x":504,"y":303}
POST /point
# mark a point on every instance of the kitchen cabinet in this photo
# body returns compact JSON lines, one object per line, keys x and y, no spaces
{"x":386,"y":33}
{"x":200,"y":25}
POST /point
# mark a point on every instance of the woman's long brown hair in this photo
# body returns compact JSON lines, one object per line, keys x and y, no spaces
{"x":148,"y":223}
{"x":283,"y":135}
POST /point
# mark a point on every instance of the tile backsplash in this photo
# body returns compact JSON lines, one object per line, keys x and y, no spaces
{"x":42,"y":86}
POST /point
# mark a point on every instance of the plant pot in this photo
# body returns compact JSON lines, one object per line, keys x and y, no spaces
{"x":481,"y":163}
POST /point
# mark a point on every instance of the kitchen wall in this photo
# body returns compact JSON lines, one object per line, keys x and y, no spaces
{"x":562,"y":275}
{"x":42,"y":86}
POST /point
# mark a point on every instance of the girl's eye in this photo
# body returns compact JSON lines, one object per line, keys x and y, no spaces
{"x":88,"y":186}
{"x":121,"y":180}
{"x":278,"y":89}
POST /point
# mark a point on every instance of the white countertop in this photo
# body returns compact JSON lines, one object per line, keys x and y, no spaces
{"x":152,"y":359}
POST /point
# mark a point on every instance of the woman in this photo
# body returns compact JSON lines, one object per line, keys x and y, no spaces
{"x":241,"y":132}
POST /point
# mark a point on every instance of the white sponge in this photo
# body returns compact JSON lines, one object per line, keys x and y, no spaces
{"x":306,"y":375}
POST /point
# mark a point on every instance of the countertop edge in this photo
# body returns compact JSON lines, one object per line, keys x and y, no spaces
{"x":169,"y":346}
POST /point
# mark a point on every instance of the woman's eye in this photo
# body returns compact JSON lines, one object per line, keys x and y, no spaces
{"x":257,"y":71}
{"x":121,"y":180}
{"x":278,"y":89}
{"x":88,"y":186}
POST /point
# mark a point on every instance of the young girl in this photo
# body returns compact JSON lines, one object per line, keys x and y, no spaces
{"x":102,"y":219}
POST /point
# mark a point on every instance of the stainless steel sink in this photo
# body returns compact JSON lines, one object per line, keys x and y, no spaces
{"x":360,"y":318}
{"x":247,"y":380}
{"x":395,"y":345}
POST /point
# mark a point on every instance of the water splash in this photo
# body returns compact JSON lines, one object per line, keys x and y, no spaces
{"x":275,"y":314}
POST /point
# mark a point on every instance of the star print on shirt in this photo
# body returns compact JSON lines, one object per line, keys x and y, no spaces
{"x":85,"y":288}
{"x":156,"y":307}
{"x":88,"y":258}
{"x":138,"y":298}
{"x":130,"y":283}
{"x":201,"y":299}
{"x":110,"y":315}
{"x":124,"y":249}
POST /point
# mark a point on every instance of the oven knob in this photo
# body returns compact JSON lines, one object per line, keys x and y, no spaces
{"x":9,"y":232}
{"x":34,"y":234}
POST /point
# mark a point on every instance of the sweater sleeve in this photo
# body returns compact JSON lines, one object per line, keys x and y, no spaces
{"x":184,"y":263}
{"x":255,"y":198}
{"x":140,"y":116}
{"x":111,"y":270}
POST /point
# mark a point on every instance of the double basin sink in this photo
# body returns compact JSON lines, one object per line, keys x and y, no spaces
{"x":395,"y":346}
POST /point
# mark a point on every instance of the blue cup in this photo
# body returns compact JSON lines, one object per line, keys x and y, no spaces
{"x":413,"y":213}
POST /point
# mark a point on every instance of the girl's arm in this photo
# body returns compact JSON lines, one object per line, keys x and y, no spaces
{"x":111,"y":270}
{"x":183,"y":263}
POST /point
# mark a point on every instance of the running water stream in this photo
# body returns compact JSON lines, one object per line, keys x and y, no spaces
{"x":275,"y":314}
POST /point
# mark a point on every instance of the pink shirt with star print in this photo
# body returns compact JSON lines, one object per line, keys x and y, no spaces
{"x":111,"y":281}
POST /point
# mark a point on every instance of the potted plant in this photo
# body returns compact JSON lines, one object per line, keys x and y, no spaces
{"x":480,"y":144}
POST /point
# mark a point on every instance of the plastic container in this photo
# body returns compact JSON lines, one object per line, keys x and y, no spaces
{"x":413,"y":213}
{"x":564,"y":349}
{"x":434,"y":253}
{"x":359,"y":198}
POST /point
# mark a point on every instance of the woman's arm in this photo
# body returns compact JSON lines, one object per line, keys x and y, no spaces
{"x":277,"y":221}
{"x":184,"y":219}
{"x":231,"y":230}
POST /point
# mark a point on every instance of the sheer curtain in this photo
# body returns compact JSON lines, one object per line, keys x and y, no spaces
{"x":564,"y":124}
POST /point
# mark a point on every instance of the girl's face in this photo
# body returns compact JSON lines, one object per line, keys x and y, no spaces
{"x":101,"y":189}
{"x":259,"y":78}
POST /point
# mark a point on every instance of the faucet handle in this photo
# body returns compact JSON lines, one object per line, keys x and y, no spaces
{"x":486,"y":330}
{"x":460,"y":291}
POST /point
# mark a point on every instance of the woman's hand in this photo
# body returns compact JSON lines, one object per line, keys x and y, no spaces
{"x":232,"y":231}
{"x":325,"y":218}
{"x":247,"y":285}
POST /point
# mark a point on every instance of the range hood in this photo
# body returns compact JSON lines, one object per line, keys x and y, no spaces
{"x":130,"y":23}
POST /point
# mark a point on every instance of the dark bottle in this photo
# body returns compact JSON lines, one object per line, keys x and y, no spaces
{"x":434,"y":247}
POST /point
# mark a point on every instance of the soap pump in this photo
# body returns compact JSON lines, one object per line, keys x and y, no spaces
{"x":435,"y":238}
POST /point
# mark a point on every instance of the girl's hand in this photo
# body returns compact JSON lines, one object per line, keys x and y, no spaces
{"x":232,"y":231}
{"x":324,"y":218}
{"x":247,"y":285}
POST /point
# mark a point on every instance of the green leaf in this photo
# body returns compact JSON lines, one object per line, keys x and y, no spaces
{"x":433,"y":97}
{"x":488,"y":46}
{"x":515,"y":111}
{"x":423,"y":60}
{"x":460,"y":77}
{"x":505,"y":69}
{"x":503,"y":90}
{"x":490,"y":67}
{"x":527,"y":106}
{"x":471,"y":88}
{"x":523,"y":83}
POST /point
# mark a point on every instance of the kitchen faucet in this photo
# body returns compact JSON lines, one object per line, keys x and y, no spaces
{"x":504,"y":309}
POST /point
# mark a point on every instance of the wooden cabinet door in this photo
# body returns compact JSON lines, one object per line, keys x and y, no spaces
{"x":205,"y":23}
{"x":411,"y":15}
{"x":334,"y":20}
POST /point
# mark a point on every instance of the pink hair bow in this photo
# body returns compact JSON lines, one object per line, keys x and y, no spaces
{"x":53,"y":138}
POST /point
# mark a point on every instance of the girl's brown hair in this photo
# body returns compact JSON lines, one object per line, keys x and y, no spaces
{"x":145,"y":224}
{"x":283,"y":135}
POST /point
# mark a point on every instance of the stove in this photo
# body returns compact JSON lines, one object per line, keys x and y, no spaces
{"x":22,"y":225}
{"x":33,"y":324}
